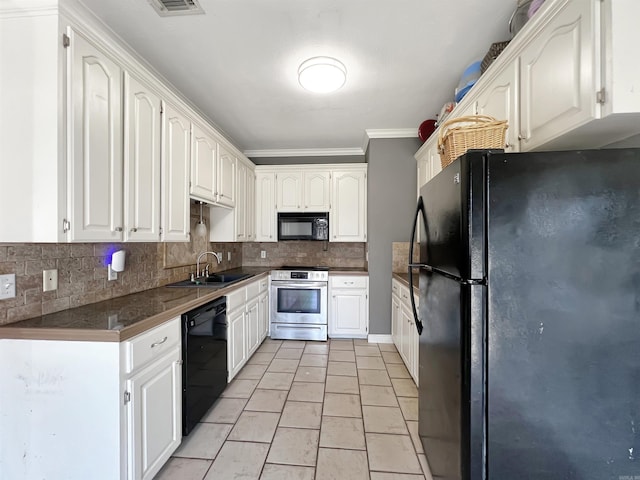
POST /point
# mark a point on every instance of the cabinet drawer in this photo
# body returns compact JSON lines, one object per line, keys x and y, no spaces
{"x":264,"y":284}
{"x":148,"y":346}
{"x":236,"y":299}
{"x":395,"y":287}
{"x":253,"y":289}
{"x":348,"y":282}
{"x":403,"y":293}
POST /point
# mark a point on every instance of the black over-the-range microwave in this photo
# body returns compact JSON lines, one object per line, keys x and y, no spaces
{"x":303,"y":226}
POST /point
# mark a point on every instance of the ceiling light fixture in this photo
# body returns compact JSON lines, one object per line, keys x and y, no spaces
{"x":322,"y":74}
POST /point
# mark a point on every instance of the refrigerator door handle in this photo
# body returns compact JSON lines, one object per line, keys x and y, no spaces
{"x":412,"y":265}
{"x":461,"y":281}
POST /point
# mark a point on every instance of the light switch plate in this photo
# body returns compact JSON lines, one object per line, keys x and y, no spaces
{"x":49,"y":280}
{"x":7,"y":286}
{"x":263,"y":254}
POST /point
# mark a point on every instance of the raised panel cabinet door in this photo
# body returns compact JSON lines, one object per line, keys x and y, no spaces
{"x":253,"y":326}
{"x":226,"y":177}
{"x":241,"y":204}
{"x":203,"y":165}
{"x":348,"y":313}
{"x":348,"y":217}
{"x":237,"y":354}
{"x":263,"y":313}
{"x":176,"y":157}
{"x":500,"y":100}
{"x":406,"y":319}
{"x":316,"y":191}
{"x":558,"y":76}
{"x":154,"y":416}
{"x":251,"y":205}
{"x":266,"y":207}
{"x":95,"y":147}
{"x":289,"y":191}
{"x":142,"y":131}
{"x":395,"y":321}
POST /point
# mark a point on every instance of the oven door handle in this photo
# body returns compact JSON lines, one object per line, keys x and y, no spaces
{"x":298,"y":285}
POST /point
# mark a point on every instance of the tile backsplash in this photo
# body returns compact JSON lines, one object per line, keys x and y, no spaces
{"x":401,"y":256}
{"x":82,"y":267}
{"x":305,"y":253}
{"x":82,"y":271}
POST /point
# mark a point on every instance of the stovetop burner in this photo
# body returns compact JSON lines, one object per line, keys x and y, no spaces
{"x":314,"y":268}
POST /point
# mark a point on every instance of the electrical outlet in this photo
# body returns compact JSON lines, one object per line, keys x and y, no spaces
{"x":7,"y":286}
{"x":49,"y":280}
{"x":228,"y":256}
{"x":263,"y":254}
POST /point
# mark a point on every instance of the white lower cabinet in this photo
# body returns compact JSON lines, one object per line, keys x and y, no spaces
{"x":91,"y":409}
{"x":248,"y":322}
{"x":237,"y":354}
{"x":403,"y":327}
{"x":349,"y":306}
{"x":155,"y":416}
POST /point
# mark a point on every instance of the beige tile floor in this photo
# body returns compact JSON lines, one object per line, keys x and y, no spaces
{"x":345,"y":409}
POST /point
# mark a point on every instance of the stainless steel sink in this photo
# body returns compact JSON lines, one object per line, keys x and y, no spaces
{"x":217,"y":280}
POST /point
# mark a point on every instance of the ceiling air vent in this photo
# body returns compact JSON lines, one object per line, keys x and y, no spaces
{"x":167,"y":8}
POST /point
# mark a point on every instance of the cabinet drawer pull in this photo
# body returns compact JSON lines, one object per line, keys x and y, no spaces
{"x":159,"y":343}
{"x":118,"y":229}
{"x":134,"y":230}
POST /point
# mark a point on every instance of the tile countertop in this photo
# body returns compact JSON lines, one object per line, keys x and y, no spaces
{"x":124,"y":317}
{"x":404,"y":278}
{"x":121,"y":318}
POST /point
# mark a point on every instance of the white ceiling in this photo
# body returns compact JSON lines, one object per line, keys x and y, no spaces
{"x":238,"y":62}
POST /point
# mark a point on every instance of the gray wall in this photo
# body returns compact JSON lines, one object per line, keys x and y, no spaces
{"x":391,"y":204}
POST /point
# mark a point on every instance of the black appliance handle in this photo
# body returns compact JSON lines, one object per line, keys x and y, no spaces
{"x":419,"y":210}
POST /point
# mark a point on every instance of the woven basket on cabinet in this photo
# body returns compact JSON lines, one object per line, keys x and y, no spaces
{"x":458,"y":135}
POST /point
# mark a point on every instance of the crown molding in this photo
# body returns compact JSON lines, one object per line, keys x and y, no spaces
{"x":387,"y":133}
{"x":27,"y":8}
{"x":304,"y":152}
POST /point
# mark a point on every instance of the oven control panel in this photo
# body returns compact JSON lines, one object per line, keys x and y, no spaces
{"x":300,"y":275}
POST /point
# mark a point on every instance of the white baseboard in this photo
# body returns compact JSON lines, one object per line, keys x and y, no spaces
{"x":380,"y":339}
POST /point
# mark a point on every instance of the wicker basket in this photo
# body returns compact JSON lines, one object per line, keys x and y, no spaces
{"x":458,"y":135}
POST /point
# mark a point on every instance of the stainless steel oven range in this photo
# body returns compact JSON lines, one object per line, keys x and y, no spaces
{"x":299,"y":303}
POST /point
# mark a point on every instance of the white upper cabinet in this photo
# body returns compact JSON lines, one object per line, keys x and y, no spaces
{"x":95,"y":151}
{"x":289,"y":191}
{"x":236,"y":224}
{"x":348,"y":216}
{"x":203,"y":165}
{"x":265,"y":207}
{"x":559,"y":82}
{"x":316,"y":187}
{"x":142,"y":143}
{"x":303,"y":190}
{"x":226,"y":177}
{"x":500,"y":100}
{"x":241,"y":205}
{"x":566,"y":81}
{"x":176,"y":158}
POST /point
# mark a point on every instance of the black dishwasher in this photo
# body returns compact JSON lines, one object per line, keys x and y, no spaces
{"x":204,"y":360}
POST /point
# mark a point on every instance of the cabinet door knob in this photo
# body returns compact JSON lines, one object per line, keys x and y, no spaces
{"x":118,"y":229}
{"x":134,"y":230}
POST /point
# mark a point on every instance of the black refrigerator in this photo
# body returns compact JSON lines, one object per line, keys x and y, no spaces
{"x":529,"y":321}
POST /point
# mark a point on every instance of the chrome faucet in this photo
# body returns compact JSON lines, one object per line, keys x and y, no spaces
{"x":198,"y":272}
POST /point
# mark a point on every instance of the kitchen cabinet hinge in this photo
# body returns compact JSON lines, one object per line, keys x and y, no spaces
{"x":601,"y":96}
{"x":66,"y":41}
{"x":66,"y":225}
{"x":127,"y":397}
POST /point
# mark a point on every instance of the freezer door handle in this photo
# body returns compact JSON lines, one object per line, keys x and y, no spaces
{"x":419,"y":211}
